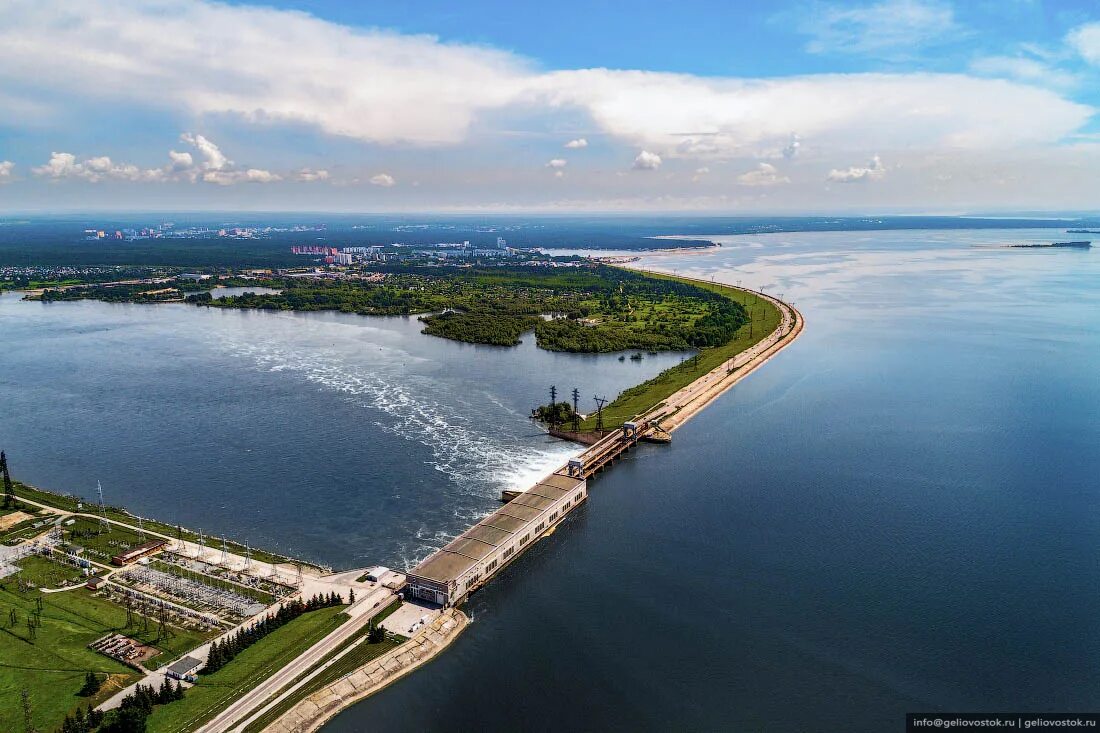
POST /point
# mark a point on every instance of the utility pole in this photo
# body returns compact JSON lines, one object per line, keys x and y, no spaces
{"x":102,"y":512}
{"x":9,"y":490}
{"x":600,"y":402}
{"x":576,"y":420}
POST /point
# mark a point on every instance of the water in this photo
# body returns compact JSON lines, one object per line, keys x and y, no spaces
{"x":339,"y":438}
{"x":898,"y":513}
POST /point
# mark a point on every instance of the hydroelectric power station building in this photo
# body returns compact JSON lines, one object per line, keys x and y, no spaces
{"x":448,"y":576}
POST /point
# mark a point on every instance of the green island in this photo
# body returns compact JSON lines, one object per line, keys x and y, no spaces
{"x":570,"y":305}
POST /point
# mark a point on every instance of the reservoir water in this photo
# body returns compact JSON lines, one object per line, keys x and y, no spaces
{"x":897,"y":513}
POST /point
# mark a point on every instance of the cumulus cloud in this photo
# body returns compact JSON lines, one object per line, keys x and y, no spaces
{"x":214,"y":168}
{"x":790,"y":150}
{"x":383,"y":179}
{"x":100,"y":168}
{"x":6,"y":168}
{"x":213,"y":158}
{"x":268,"y":65}
{"x":257,"y":62}
{"x":855,"y":174}
{"x":647,"y":161}
{"x":885,"y":28}
{"x":180,"y":161}
{"x":765,"y":174}
{"x":580,"y":142}
{"x":309,"y":175}
{"x":557,"y":163}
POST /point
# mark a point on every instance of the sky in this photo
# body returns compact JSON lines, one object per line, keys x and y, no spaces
{"x":895,"y":106}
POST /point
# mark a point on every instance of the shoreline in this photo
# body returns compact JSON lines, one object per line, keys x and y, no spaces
{"x":668,"y":414}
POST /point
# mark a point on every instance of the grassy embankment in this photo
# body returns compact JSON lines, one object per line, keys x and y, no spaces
{"x":639,"y":398}
{"x":216,"y":691}
{"x":353,"y":660}
{"x":69,"y":504}
{"x":52,"y":662}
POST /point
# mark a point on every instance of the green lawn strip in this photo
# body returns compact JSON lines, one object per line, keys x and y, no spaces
{"x":215,"y":692}
{"x":43,"y":572}
{"x":353,"y":660}
{"x":52,"y":665}
{"x":69,"y":504}
{"x":363,"y":655}
{"x":635,"y":400}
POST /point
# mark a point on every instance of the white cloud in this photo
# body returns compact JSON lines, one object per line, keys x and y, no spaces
{"x":792,"y":147}
{"x":580,"y":142}
{"x":215,"y":168}
{"x":702,"y":171}
{"x":101,"y":168}
{"x":180,"y":161}
{"x":559,"y":174}
{"x":872,"y":171}
{"x":716,"y":117}
{"x":6,"y":167}
{"x":383,"y":179}
{"x":765,"y":174}
{"x":557,"y":163}
{"x":884,"y":28}
{"x":260,"y":63}
{"x":647,"y":161}
{"x":213,"y":158}
{"x":1085,"y":40}
{"x":251,"y":175}
{"x":309,"y":175}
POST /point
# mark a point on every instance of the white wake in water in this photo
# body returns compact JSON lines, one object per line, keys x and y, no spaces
{"x":480,"y":462}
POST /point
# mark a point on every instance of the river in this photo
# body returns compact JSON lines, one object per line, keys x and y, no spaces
{"x":899,"y":512}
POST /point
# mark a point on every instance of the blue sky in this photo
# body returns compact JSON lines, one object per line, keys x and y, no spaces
{"x":896,"y":105}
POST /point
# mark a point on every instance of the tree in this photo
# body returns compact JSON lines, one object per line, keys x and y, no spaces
{"x":91,"y":686}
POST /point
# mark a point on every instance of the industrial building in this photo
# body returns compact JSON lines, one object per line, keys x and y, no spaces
{"x":136,"y":553}
{"x":448,"y":576}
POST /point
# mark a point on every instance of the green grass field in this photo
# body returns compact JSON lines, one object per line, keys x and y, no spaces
{"x":70,"y":504}
{"x":635,"y":400}
{"x":52,"y":664}
{"x":214,"y":692}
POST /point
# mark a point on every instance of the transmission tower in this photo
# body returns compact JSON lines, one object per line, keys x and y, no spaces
{"x":553,"y":404}
{"x":9,"y":490}
{"x":576,"y":419}
{"x":600,"y":402}
{"x":225,"y":554}
{"x":102,"y":511}
{"x":179,"y":539}
{"x":141,"y":530}
{"x":247,"y":557}
{"x":202,"y":545}
{"x":298,"y":579}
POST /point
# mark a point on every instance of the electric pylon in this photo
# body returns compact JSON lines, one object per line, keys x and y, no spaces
{"x":9,"y":490}
{"x":600,"y":402}
{"x":576,"y":419}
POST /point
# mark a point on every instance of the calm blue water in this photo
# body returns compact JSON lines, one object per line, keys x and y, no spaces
{"x":898,"y":513}
{"x":339,"y":438}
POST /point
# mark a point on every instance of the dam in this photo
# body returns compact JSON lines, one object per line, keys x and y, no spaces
{"x":448,"y":576}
